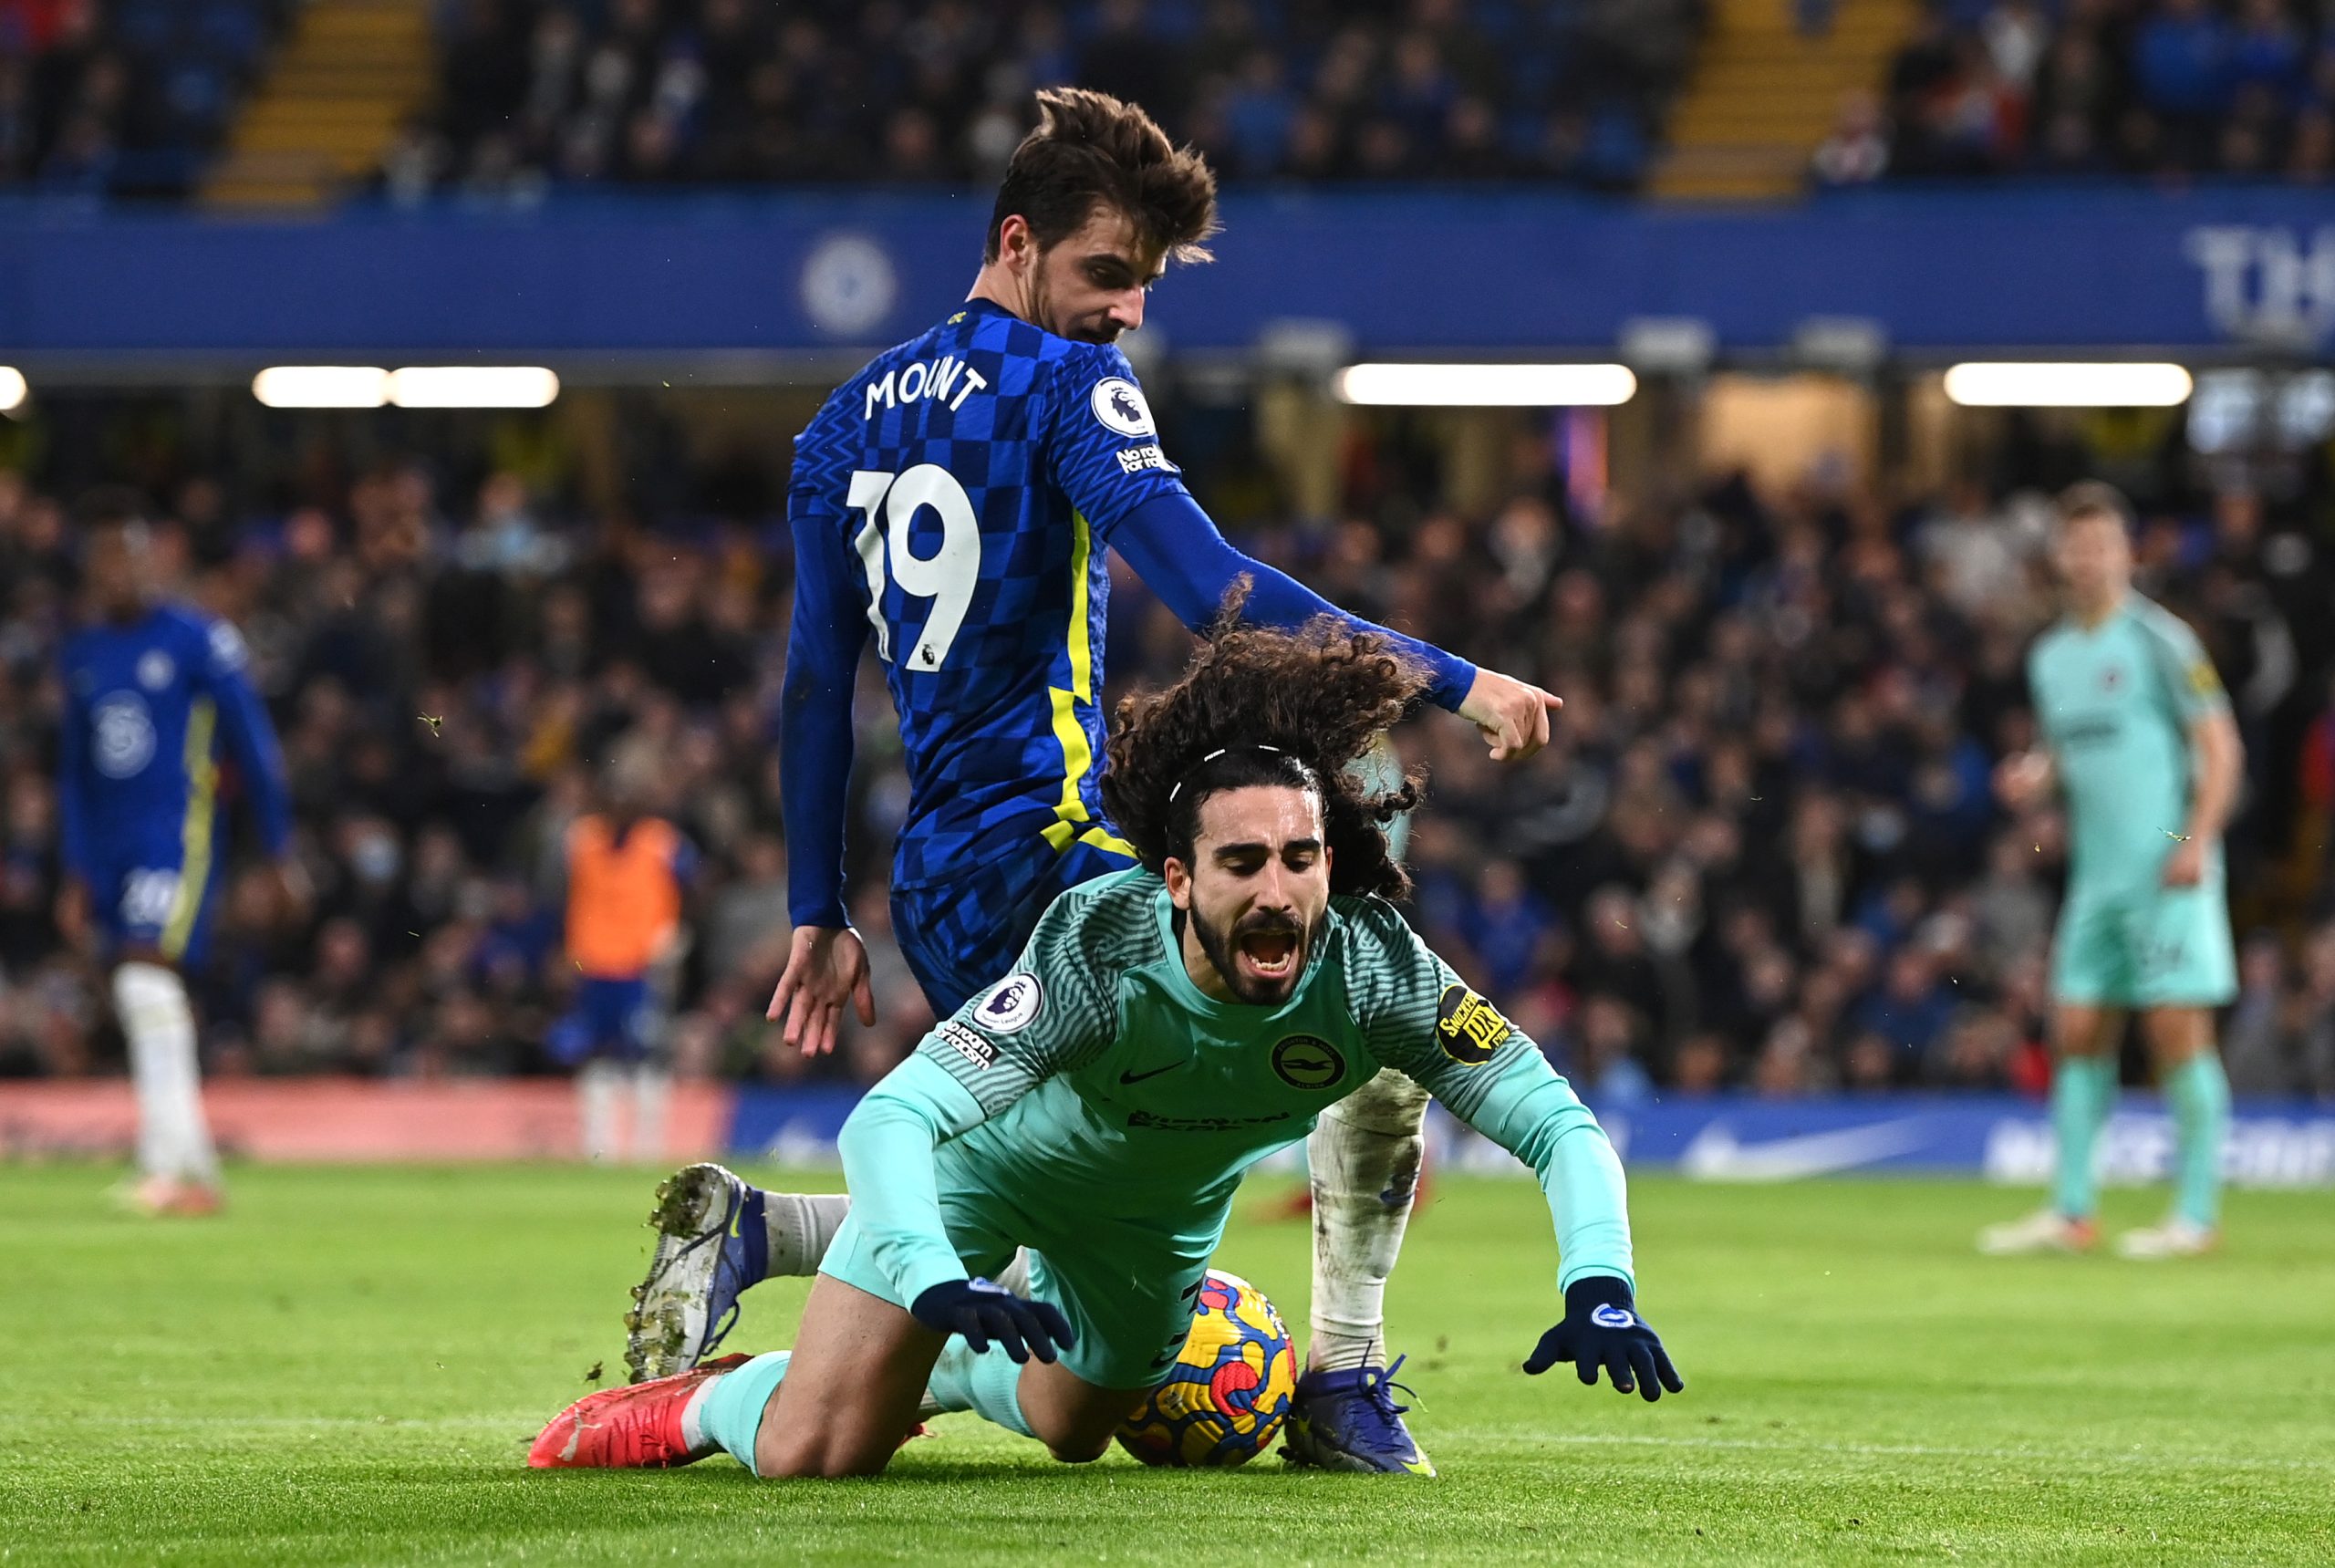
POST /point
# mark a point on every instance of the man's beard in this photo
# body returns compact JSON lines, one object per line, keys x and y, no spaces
{"x":1221,"y":947}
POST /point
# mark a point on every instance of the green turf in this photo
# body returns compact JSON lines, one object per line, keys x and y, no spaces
{"x":347,"y":1367}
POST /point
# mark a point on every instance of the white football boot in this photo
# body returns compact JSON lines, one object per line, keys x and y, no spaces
{"x":2045,"y":1231}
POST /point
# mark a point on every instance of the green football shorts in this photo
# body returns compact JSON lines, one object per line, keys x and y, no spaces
{"x":2145,"y":946}
{"x":1128,"y":1290}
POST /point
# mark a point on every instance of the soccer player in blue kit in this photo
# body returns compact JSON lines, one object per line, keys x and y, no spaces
{"x":153,"y":694}
{"x":954,"y":499}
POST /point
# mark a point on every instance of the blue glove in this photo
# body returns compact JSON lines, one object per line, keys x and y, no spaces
{"x":982,"y":1311}
{"x":1602,"y":1328}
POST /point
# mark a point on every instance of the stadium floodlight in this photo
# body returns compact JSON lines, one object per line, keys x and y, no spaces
{"x":1485,"y":386}
{"x":322,"y":385}
{"x":2065,"y":385}
{"x":472,"y":387}
{"x":12,"y":388}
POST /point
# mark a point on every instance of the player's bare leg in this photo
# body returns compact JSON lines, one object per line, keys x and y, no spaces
{"x":1364,"y":1154}
{"x":862,"y":1375}
{"x":2189,"y":1072}
{"x":851,"y":1385}
{"x":848,"y":1393}
{"x":863,"y":1371}
{"x":2083,"y":1093}
{"x":1072,"y":1416}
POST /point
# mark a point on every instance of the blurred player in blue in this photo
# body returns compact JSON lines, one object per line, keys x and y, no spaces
{"x":954,"y":501}
{"x":628,"y":871}
{"x":155,"y":694}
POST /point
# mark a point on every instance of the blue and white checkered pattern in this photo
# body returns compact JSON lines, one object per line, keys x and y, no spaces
{"x":972,"y":477}
{"x":961,"y":937}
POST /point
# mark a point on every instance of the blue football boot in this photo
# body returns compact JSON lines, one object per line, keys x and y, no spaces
{"x":711,"y":1246}
{"x":1349,"y":1421}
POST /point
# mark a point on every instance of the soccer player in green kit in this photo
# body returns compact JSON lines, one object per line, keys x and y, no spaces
{"x":2137,"y":737}
{"x":1165,"y":1027}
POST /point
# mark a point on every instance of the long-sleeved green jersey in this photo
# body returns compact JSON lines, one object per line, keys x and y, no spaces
{"x":1098,"y":1081}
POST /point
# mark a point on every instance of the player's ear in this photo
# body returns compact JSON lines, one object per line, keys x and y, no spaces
{"x":1015,"y":245}
{"x":1178,"y":877}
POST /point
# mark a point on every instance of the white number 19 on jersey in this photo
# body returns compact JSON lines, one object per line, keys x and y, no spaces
{"x":946,"y":577}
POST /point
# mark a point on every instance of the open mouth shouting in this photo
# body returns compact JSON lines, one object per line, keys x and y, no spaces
{"x":1267,"y":953}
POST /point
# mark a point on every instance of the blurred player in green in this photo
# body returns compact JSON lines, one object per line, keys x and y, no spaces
{"x":2137,"y":736}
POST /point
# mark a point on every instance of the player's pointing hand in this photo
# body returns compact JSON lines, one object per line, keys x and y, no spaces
{"x":1602,"y":1328}
{"x":982,"y":1311}
{"x":825,"y":967}
{"x":1513,"y":714}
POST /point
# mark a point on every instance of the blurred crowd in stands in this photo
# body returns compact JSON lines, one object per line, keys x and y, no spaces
{"x":127,"y":98}
{"x":542,"y":93}
{"x":1761,"y":853}
{"x":132,"y":97}
{"x":2164,"y":87}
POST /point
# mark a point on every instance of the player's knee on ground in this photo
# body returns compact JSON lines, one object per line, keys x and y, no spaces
{"x":1073,"y":1417}
{"x":825,"y":1436}
{"x":826,"y":1450}
{"x":1084,"y":1449}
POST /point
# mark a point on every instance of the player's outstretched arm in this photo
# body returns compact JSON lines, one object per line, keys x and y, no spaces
{"x":827,"y":966}
{"x":1050,"y":1015}
{"x":1531,"y":1111}
{"x":1177,"y":549}
{"x":887,"y":1146}
{"x":1135,"y":500}
{"x":1423,"y":1021}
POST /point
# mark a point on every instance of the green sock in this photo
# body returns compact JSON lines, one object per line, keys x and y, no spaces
{"x":2198,"y":1090}
{"x":731,"y":1413}
{"x":989,"y":1384}
{"x":2084,"y":1091}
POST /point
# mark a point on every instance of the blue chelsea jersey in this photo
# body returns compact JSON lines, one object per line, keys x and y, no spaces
{"x":149,"y":708}
{"x":972,"y":477}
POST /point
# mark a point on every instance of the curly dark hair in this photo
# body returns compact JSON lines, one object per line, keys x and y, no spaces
{"x":1259,"y":706}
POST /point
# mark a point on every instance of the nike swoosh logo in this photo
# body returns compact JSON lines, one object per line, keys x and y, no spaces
{"x":1139,"y":1077}
{"x":1716,"y":1154}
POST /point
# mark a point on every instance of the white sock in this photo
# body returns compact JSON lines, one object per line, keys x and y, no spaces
{"x":1015,"y":1275}
{"x":799,"y":1226}
{"x":1365,"y":1154}
{"x":700,"y":1443}
{"x":652,"y":1086}
{"x":597,"y":1085}
{"x":173,"y":1139}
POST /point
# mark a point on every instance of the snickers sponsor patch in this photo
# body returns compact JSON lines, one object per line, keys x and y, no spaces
{"x":1468,"y":1028}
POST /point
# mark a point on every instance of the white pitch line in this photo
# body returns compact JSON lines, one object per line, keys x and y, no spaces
{"x":1507,"y":1438}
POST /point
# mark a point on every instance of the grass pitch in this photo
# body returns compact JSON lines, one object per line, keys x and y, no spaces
{"x":347,"y":1367}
